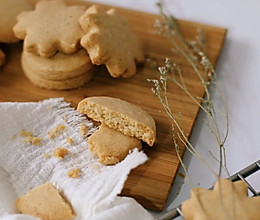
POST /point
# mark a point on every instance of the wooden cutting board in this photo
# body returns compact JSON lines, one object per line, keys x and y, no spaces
{"x":150,"y":183}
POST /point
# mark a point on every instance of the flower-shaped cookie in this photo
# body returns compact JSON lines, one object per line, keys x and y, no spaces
{"x":51,"y":27}
{"x":109,"y":40}
{"x":226,"y":201}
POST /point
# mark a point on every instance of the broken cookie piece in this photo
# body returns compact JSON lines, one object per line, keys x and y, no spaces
{"x":111,"y":146}
{"x":45,"y":202}
{"x":120,"y":115}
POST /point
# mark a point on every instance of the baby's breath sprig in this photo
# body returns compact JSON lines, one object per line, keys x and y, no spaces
{"x":193,"y":53}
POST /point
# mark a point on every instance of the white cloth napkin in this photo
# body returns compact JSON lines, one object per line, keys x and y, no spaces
{"x":23,"y":166}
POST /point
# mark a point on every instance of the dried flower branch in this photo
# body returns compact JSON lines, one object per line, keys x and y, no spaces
{"x":193,"y":53}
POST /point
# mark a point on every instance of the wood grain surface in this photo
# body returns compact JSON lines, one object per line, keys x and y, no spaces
{"x":150,"y":183}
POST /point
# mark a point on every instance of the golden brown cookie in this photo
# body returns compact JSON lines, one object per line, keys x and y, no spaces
{"x":51,"y":27}
{"x":120,"y":115}
{"x":67,"y":84}
{"x":111,"y":146}
{"x":2,"y":58}
{"x":46,"y":203}
{"x":59,"y":67}
{"x":228,"y":200}
{"x":9,"y":9}
{"x":63,"y":84}
{"x":109,"y":40}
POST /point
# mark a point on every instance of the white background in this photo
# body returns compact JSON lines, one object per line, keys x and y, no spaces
{"x":238,"y":71}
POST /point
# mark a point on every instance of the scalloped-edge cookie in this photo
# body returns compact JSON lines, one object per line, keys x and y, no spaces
{"x":51,"y":27}
{"x":111,"y":146}
{"x":120,"y":115}
{"x":9,"y":9}
{"x":228,"y":200}
{"x":109,"y":40}
{"x":45,"y":202}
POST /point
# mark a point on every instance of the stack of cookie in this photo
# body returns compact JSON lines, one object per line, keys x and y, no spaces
{"x":123,"y":126}
{"x":52,"y":56}
{"x":62,"y":44}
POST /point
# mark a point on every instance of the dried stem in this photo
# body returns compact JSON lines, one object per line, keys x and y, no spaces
{"x":193,"y":53}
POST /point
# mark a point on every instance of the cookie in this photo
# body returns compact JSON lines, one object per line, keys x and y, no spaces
{"x":2,"y":58}
{"x":72,"y":83}
{"x":51,"y":27}
{"x":59,"y":67}
{"x":228,"y":200}
{"x":109,"y":40}
{"x":120,"y":115}
{"x":9,"y":9}
{"x":46,"y":203}
{"x":62,"y":84}
{"x":111,"y":146}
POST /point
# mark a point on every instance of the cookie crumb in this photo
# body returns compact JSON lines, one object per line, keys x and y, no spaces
{"x":83,"y":129}
{"x":56,"y":131}
{"x":47,"y":156}
{"x":30,"y":139}
{"x":74,"y":173}
{"x":36,"y":141}
{"x":24,"y":133}
{"x":60,"y":152}
{"x":69,"y":140}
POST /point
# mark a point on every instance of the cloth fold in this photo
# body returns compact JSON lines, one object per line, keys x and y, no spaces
{"x":25,"y":165}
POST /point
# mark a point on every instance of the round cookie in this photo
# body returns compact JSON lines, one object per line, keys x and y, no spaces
{"x":72,"y":83}
{"x":9,"y":9}
{"x":59,"y":67}
{"x":120,"y":115}
{"x":111,"y":146}
{"x":56,"y":84}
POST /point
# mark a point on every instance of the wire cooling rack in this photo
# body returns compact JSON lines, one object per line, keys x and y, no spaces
{"x":241,"y":175}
